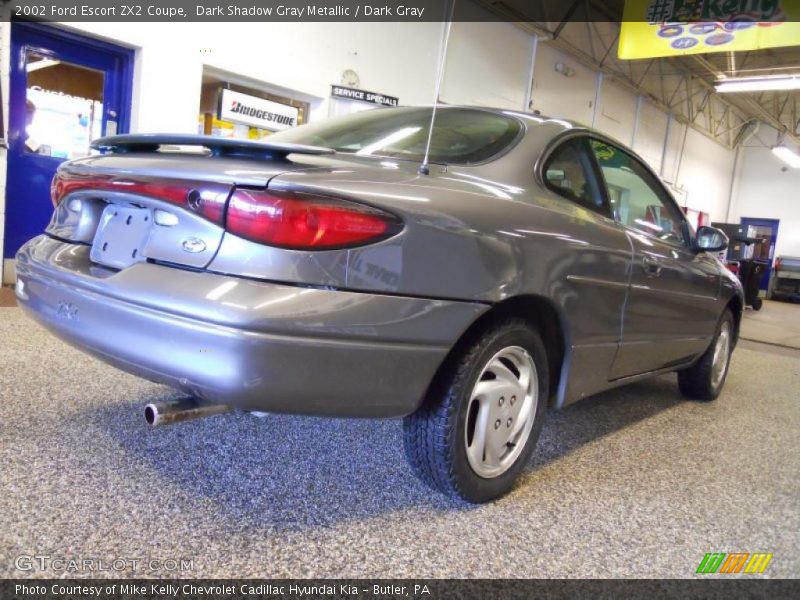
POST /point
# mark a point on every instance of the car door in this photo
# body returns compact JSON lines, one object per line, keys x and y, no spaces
{"x":670,"y":314}
{"x":590,"y":269}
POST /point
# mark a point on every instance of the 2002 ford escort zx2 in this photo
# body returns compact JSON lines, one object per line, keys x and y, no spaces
{"x":529,"y":263}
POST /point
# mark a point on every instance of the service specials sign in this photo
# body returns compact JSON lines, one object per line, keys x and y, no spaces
{"x":258,"y":112}
{"x":348,"y":93}
{"x":652,"y":28}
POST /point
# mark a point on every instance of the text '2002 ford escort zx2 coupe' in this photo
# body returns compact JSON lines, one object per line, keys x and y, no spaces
{"x":527,"y":264}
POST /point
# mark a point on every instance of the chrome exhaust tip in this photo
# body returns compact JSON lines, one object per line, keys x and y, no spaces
{"x":157,"y":414}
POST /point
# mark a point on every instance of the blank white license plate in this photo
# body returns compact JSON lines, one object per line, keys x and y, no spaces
{"x":121,"y":236}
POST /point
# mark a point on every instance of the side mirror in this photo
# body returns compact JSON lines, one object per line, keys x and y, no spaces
{"x":711,"y":239}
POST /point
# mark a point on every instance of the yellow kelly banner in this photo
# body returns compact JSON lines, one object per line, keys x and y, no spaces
{"x":653,"y":28}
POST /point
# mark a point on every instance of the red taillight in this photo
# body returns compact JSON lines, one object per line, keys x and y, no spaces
{"x":55,"y":192}
{"x":295,"y":221}
{"x":304,"y":222}
{"x":206,"y":199}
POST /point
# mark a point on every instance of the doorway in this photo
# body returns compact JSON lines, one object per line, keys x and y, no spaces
{"x":765,"y":230}
{"x":65,"y":91}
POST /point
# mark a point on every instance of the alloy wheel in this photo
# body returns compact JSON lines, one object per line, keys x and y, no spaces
{"x":501,"y":412}
{"x":722,"y":352}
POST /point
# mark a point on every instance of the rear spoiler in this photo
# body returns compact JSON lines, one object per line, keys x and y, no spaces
{"x":153,"y":142}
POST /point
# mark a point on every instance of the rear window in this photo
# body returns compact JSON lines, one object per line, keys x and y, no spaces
{"x":460,"y":135}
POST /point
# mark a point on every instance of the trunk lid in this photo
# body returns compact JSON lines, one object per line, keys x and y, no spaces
{"x":148,"y":198}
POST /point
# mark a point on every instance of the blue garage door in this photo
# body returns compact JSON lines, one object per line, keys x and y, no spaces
{"x":65,"y":91}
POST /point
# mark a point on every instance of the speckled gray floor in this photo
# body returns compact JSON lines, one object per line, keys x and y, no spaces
{"x":632,"y":483}
{"x":776,"y":323}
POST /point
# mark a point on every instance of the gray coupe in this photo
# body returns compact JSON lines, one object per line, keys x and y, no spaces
{"x":529,"y":263}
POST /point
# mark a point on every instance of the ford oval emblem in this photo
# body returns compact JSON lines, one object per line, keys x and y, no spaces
{"x":194,"y":245}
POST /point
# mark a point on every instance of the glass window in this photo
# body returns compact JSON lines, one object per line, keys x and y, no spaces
{"x":63,"y":107}
{"x":638,"y":199}
{"x":569,"y":172}
{"x":460,"y":135}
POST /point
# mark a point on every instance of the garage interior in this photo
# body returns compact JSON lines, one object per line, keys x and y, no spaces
{"x":633,"y":482}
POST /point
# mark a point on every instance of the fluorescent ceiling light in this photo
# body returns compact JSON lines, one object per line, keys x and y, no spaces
{"x":787,"y":155}
{"x":758,"y":84}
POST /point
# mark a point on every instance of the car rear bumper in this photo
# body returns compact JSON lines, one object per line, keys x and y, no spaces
{"x":251,"y":344}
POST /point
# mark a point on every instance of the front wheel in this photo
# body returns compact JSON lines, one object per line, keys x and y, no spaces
{"x":705,"y":379}
{"x":478,"y":427}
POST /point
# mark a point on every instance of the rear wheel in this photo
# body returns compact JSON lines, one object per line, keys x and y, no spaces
{"x":705,"y":379}
{"x":478,"y":427}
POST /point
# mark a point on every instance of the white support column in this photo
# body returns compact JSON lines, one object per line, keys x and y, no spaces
{"x":664,"y":149}
{"x":526,"y":107}
{"x":597,"y":91}
{"x":681,"y":152}
{"x":734,"y":189}
{"x":636,"y":121}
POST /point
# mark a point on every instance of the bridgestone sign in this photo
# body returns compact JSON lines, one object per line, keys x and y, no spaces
{"x":258,"y":112}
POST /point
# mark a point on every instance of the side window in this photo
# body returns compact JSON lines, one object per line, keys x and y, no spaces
{"x":637,"y":198}
{"x":569,"y":172}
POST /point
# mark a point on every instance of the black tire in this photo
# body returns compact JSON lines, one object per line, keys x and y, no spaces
{"x":435,"y":435}
{"x":757,"y":303}
{"x":699,"y":382}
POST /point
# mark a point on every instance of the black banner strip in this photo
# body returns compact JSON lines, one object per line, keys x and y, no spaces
{"x":413,"y":11}
{"x":385,"y":589}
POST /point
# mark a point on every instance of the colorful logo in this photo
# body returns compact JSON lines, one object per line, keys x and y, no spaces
{"x":652,"y":28}
{"x":736,"y":562}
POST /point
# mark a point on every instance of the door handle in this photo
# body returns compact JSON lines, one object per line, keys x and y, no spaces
{"x":652,"y":267}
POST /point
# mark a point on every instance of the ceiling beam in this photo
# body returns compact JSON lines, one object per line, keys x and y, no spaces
{"x":630,"y":83}
{"x":756,"y":106}
{"x":655,"y":84}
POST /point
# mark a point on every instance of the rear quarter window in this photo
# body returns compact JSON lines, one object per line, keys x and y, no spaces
{"x":460,"y":135}
{"x":570,"y":173}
